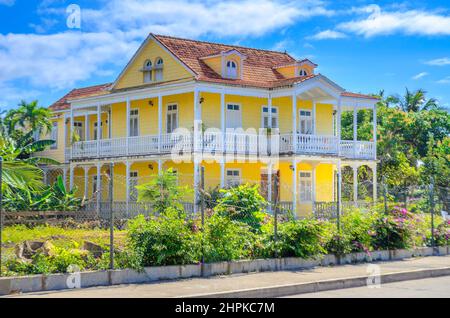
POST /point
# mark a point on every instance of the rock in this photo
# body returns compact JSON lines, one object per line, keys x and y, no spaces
{"x":27,"y":249}
{"x":95,"y":249}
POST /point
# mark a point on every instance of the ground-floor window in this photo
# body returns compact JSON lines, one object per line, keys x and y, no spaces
{"x":305,"y":185}
{"x":233,"y":177}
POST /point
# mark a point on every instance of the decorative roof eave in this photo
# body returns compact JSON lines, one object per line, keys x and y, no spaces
{"x":141,"y":47}
{"x":297,"y":63}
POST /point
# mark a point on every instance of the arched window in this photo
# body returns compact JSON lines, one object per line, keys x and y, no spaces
{"x":231,"y":69}
{"x":303,"y":72}
{"x":159,"y":64}
{"x":147,"y":71}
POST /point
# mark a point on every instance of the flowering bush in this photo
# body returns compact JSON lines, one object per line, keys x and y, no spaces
{"x":442,"y":233}
{"x":397,"y":230}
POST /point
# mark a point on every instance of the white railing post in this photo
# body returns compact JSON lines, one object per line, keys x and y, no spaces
{"x":99,"y":128}
{"x":222,"y":120}
{"x":338,"y":123}
{"x":127,"y":125}
{"x":375,"y":132}
{"x":160,"y":119}
{"x":314,"y":106}
{"x":355,"y":131}
{"x":294,"y":122}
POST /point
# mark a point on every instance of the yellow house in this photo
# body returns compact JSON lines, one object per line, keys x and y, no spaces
{"x":232,"y":114}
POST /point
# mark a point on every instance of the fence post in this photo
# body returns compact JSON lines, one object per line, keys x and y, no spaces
{"x":383,"y":181}
{"x":275,"y":215}
{"x":1,"y":213}
{"x":338,"y":208}
{"x":432,"y":211}
{"x":111,"y":222}
{"x":202,"y":209}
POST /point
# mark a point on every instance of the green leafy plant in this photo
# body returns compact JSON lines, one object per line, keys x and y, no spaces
{"x":243,"y":203}
{"x":163,"y":192}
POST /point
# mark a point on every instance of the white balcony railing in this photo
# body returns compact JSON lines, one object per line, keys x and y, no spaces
{"x":232,"y":143}
{"x":358,"y":149}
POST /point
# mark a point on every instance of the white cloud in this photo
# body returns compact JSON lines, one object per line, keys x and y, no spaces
{"x":445,"y":80}
{"x":419,"y":76}
{"x":195,"y":18}
{"x":439,"y":62}
{"x":328,"y":34}
{"x":8,"y":3}
{"x":409,"y":22}
{"x":58,"y":61}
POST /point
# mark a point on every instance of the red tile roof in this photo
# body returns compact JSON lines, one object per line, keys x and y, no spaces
{"x":355,"y":95}
{"x":62,"y":103}
{"x":257,"y":66}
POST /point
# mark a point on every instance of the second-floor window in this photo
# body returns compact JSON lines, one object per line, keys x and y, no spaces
{"x":302,"y":72}
{"x":134,"y":123}
{"x":54,"y":135}
{"x":265,"y":117}
{"x":96,"y":133}
{"x":172,"y":118}
{"x":78,"y":129}
{"x":306,"y":122}
{"x":305,"y":184}
{"x":147,"y":71}
{"x":159,"y":69}
{"x":231,"y":71}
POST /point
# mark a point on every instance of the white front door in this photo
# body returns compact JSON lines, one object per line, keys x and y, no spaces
{"x":234,"y":116}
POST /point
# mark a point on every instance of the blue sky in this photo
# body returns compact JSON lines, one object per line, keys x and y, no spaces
{"x":364,"y":46}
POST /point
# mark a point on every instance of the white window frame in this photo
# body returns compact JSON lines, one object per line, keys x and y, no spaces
{"x":134,"y":116}
{"x":226,"y":113}
{"x":305,"y":194}
{"x":231,"y":72}
{"x":233,"y":181}
{"x":96,"y":131}
{"x":171,"y":112}
{"x":159,"y":69}
{"x":302,"y":72}
{"x":274,"y":115}
{"x":54,"y":136}
{"x":147,"y":70}
{"x":79,"y":127}
{"x":305,"y":119}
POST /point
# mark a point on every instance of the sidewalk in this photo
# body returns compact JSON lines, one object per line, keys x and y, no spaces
{"x":233,"y":283}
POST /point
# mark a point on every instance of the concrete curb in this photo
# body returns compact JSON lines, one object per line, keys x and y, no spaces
{"x":332,"y":284}
{"x":39,"y":283}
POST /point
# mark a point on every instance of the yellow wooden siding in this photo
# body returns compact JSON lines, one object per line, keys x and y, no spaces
{"x":215,"y":63}
{"x":58,"y":153}
{"x":172,"y":70}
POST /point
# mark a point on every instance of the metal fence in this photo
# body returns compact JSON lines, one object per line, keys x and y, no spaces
{"x":101,"y":211}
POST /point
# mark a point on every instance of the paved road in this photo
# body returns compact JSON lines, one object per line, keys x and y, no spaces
{"x":431,"y":287}
{"x":198,"y":286}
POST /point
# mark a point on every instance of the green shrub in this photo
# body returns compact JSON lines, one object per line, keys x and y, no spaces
{"x":442,"y":233}
{"x":166,"y":240}
{"x":226,"y":240}
{"x":299,"y":238}
{"x":243,"y":203}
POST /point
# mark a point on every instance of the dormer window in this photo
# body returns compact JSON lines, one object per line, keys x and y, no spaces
{"x":303,"y":72}
{"x":159,"y":65}
{"x":231,"y":69}
{"x":147,"y":71}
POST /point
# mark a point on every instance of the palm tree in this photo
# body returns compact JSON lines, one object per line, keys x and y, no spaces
{"x":414,"y":101}
{"x":19,"y":164}
{"x":30,"y":116}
